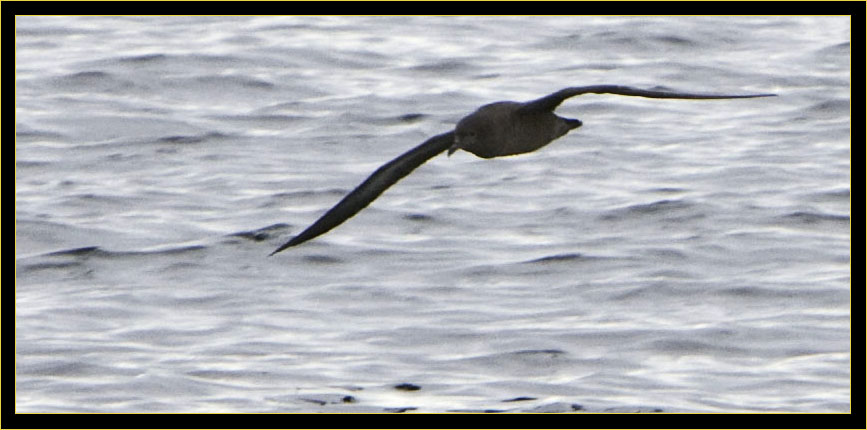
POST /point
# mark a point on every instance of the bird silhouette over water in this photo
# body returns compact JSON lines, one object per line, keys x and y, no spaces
{"x":493,"y":130}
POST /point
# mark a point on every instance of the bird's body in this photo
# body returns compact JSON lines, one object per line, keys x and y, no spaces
{"x":494,"y":130}
{"x":502,"y":128}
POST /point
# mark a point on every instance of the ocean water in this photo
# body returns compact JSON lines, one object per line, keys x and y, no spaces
{"x":669,"y":255}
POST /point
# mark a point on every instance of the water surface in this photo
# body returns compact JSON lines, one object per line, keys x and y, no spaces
{"x":668,"y":255}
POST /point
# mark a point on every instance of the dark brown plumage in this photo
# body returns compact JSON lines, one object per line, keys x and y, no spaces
{"x":494,"y":130}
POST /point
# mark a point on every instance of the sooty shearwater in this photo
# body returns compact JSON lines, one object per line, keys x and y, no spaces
{"x":493,"y":130}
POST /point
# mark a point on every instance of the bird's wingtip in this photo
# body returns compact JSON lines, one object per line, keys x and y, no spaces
{"x":281,"y":248}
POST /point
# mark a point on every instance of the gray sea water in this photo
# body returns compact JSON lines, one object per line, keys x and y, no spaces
{"x":669,"y":255}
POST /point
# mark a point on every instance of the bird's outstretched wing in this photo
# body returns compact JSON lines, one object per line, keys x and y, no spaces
{"x":550,"y":102}
{"x":373,"y":186}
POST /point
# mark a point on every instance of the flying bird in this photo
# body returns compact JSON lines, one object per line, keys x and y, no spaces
{"x":493,"y":130}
